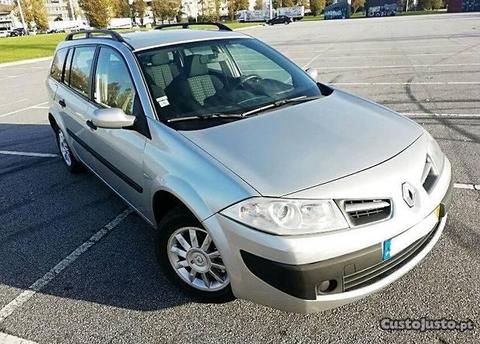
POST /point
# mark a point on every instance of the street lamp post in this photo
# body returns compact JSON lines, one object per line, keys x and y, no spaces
{"x":72,"y":10}
{"x":25,"y":27}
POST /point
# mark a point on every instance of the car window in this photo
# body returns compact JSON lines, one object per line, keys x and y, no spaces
{"x":205,"y":50}
{"x":113,"y":85}
{"x":80,"y":71}
{"x":222,"y":77}
{"x":251,"y":62}
{"x":57,"y":65}
{"x":68,"y":62}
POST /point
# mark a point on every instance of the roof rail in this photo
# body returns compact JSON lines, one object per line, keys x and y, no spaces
{"x":98,"y":34}
{"x":221,"y":27}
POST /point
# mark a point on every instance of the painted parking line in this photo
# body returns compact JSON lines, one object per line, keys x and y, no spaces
{"x":467,"y":186}
{"x":336,"y":57}
{"x":32,"y":154}
{"x":438,"y":65}
{"x":36,"y":106}
{"x":406,"y":83}
{"x":9,"y":339}
{"x":441,"y":115}
{"x":24,"y":62}
{"x":39,"y":284}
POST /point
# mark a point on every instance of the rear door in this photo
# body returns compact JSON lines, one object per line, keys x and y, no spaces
{"x":117,"y":154}
{"x":72,"y":97}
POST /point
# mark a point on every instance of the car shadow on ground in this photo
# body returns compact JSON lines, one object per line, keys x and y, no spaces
{"x":46,"y":213}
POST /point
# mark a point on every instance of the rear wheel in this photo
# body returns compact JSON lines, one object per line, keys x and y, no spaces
{"x":72,"y":164}
{"x":190,"y":259}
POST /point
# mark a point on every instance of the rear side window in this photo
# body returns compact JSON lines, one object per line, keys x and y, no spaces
{"x":113,"y":85}
{"x":80,"y":70}
{"x":57,"y":65}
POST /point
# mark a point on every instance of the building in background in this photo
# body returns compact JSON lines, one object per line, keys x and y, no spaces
{"x":62,"y":10}
{"x":8,"y":20}
{"x":199,"y":8}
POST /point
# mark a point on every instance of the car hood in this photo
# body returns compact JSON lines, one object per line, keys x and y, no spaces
{"x":299,"y":146}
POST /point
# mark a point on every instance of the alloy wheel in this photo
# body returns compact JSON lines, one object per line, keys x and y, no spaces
{"x":197,"y":261}
{"x":64,"y":149}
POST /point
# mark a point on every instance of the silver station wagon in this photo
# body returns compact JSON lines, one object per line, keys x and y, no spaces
{"x":262,"y":184}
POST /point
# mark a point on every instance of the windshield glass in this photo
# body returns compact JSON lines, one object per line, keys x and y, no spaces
{"x":218,"y":81}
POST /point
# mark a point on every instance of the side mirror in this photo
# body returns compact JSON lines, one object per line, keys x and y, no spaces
{"x":112,"y":118}
{"x":312,"y":72}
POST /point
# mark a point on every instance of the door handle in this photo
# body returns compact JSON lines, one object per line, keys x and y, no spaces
{"x":91,"y":125}
{"x":62,"y":103}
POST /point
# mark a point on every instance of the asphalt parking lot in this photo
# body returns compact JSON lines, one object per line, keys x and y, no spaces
{"x":111,"y":290}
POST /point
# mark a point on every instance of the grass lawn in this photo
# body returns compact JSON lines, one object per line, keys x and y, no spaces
{"x":30,"y":47}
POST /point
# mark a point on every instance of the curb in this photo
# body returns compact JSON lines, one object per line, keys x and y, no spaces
{"x":248,"y":27}
{"x":17,"y":63}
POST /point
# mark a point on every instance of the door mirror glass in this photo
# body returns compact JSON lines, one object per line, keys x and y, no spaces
{"x":112,"y":118}
{"x":313,"y":73}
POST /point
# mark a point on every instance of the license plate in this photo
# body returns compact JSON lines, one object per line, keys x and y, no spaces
{"x":396,"y":244}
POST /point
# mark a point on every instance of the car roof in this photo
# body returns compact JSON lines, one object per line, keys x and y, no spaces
{"x":149,"y":39}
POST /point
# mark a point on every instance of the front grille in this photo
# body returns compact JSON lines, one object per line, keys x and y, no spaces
{"x":361,"y":212}
{"x":381,"y":270}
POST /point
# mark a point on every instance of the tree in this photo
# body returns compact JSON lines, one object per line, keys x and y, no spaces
{"x":35,"y":13}
{"x":356,"y":4}
{"x":98,"y":12}
{"x":236,"y":5}
{"x":258,"y":5}
{"x":165,"y":9}
{"x":304,"y":3}
{"x":317,"y":6}
{"x":138,"y":8}
{"x":121,"y":9}
{"x":426,"y":4}
{"x":217,"y":9}
{"x":437,"y":4}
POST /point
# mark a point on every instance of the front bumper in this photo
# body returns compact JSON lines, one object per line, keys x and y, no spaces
{"x":283,"y":273}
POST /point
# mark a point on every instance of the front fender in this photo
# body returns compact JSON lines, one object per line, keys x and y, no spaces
{"x":175,"y":165}
{"x":185,"y":193}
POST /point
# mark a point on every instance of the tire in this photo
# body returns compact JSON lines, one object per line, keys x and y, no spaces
{"x":195,"y":261}
{"x":69,"y":160}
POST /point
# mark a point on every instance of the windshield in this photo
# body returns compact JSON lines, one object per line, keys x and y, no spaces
{"x":214,"y":82}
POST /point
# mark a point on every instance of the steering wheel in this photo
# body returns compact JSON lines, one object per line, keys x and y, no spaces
{"x":249,"y":80}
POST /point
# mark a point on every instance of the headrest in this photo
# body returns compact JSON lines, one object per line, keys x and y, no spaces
{"x":212,"y":58}
{"x":160,"y":59}
{"x":198,"y":63}
{"x":197,"y":67}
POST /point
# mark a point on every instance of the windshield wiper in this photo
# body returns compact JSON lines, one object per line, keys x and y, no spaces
{"x":278,"y":103}
{"x":203,"y":117}
{"x":215,"y":115}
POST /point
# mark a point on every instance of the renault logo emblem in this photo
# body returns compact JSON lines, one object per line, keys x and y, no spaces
{"x":408,"y":193}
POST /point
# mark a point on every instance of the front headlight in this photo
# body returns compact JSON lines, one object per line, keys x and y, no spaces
{"x":288,"y":216}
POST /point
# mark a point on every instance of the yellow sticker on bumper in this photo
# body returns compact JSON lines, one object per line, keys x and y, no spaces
{"x":437,"y":212}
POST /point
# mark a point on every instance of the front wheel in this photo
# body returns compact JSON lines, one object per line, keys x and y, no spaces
{"x":190,"y":259}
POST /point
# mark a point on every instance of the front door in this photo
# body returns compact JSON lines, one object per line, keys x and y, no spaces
{"x":117,"y":154}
